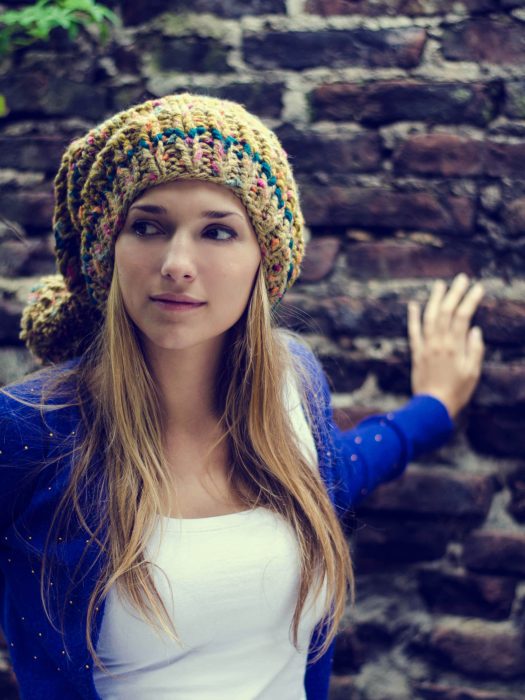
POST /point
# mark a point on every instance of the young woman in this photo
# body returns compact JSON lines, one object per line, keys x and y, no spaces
{"x":172,"y":483}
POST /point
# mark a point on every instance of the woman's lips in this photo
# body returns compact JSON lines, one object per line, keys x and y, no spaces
{"x":170,"y":305}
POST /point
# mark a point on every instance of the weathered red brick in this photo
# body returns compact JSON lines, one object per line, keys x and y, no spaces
{"x":358,"y":643}
{"x":343,"y":688}
{"x":28,"y":207}
{"x":502,"y":320}
{"x":501,"y":383}
{"x":514,"y":106}
{"x":397,"y":7}
{"x":384,"y":102}
{"x":402,"y":47}
{"x":398,"y":260}
{"x":382,"y":208}
{"x":498,"y":430}
{"x":496,"y":40}
{"x":505,"y":159}
{"x":440,"y":154}
{"x":439,"y":491}
{"x":487,"y":649}
{"x":140,"y":11}
{"x":467,"y":594}
{"x":382,"y":540}
{"x":33,"y":152}
{"x":16,"y":254}
{"x":495,"y":551}
{"x":10,"y":313}
{"x":39,"y":90}
{"x":313,"y":152}
{"x":516,"y":484}
{"x":320,"y":257}
{"x":368,"y":317}
{"x":434,"y":691}
{"x":514,"y":217}
{"x":197,"y":54}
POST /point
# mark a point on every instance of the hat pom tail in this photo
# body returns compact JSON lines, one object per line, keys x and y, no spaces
{"x":58,"y":325}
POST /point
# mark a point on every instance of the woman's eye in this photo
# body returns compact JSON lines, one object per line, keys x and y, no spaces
{"x":145,"y":228}
{"x":218,"y":233}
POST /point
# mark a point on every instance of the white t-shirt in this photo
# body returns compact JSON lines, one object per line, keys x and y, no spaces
{"x":230,"y":585}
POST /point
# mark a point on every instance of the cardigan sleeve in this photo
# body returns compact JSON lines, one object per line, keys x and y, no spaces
{"x":21,"y":448}
{"x":379,"y":448}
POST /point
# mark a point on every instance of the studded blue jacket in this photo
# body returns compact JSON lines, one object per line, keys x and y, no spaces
{"x":35,"y":460}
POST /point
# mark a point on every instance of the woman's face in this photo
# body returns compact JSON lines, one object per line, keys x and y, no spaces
{"x":186,"y":259}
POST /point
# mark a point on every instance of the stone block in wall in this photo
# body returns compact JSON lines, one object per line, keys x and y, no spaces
{"x":501,"y":384}
{"x":498,"y":430}
{"x":364,"y":317}
{"x":15,"y":362}
{"x":29,"y":208}
{"x":514,"y":106}
{"x":516,"y":484}
{"x":395,"y":8}
{"x":312,"y":151}
{"x":383,"y":540}
{"x":39,"y":91}
{"x":298,"y":50}
{"x":379,"y":208}
{"x":436,"y":691}
{"x":358,"y":643}
{"x":188,"y":54}
{"x":495,"y":551}
{"x":497,"y":40}
{"x":319,"y":259}
{"x":467,"y":594}
{"x":439,"y":154}
{"x":505,"y":159}
{"x":343,"y":688}
{"x":514,"y":217}
{"x":10,"y":313}
{"x":438,"y":491}
{"x":140,"y":11}
{"x":503,"y":321}
{"x":482,"y":649}
{"x":404,"y":259}
{"x":40,"y":152}
{"x":387,"y":101}
{"x":20,"y":255}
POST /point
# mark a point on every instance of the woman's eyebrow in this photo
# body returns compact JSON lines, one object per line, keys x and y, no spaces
{"x":150,"y":208}
{"x":157,"y":209}
{"x":219,"y":214}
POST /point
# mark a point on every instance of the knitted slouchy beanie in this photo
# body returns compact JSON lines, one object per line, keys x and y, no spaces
{"x":176,"y":137}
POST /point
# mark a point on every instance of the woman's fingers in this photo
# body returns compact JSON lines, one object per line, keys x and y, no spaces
{"x":450,"y":303}
{"x":414,"y":327}
{"x":466,"y":310}
{"x":431,"y":311}
{"x":475,"y":349}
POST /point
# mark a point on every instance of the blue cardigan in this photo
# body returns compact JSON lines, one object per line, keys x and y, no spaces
{"x":351,"y":463}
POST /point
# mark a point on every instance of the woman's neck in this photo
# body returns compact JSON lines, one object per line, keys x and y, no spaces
{"x":187,"y":383}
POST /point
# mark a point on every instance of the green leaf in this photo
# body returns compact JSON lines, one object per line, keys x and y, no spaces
{"x":4,"y":109}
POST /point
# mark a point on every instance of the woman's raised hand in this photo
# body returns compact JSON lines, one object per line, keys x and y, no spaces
{"x":446,"y":353}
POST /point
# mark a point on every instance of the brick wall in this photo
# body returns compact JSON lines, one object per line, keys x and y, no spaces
{"x":405,"y":121}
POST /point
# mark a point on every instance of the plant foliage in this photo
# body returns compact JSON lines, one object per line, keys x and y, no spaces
{"x":35,"y":22}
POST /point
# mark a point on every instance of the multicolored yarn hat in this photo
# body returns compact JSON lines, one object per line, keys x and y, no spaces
{"x":175,"y":137}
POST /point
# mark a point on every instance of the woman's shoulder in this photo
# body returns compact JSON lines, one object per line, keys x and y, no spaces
{"x":306,"y":366}
{"x":33,"y":409}
{"x":44,"y":389}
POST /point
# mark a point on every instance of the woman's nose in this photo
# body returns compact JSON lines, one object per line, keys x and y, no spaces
{"x":179,"y":260}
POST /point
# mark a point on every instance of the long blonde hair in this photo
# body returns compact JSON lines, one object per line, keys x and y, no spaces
{"x":268,"y":465}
